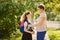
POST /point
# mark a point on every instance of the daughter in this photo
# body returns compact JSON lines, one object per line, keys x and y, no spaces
{"x":28,"y":31}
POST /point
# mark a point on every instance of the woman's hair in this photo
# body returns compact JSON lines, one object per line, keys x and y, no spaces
{"x":41,"y":6}
{"x":24,"y":16}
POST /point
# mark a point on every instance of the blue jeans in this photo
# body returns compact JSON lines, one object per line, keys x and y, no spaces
{"x":41,"y":35}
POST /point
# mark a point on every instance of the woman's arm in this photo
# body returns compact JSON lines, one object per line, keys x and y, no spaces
{"x":42,"y":19}
{"x":40,"y":22}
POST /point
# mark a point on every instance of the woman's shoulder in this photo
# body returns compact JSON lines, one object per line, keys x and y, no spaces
{"x":43,"y":15}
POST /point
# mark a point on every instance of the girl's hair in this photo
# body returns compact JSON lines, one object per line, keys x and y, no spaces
{"x":24,"y":17}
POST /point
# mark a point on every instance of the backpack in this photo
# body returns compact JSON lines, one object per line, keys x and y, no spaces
{"x":22,"y":26}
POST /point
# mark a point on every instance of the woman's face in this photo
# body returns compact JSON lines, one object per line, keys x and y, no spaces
{"x":40,"y":10}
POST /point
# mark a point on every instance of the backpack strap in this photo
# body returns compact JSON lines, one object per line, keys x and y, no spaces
{"x":27,"y":23}
{"x":30,"y":29}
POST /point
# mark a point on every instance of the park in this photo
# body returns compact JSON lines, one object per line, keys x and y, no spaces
{"x":11,"y":11}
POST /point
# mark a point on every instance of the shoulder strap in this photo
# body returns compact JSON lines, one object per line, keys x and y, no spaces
{"x":27,"y":23}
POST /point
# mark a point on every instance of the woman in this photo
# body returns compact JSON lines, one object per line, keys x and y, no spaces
{"x":41,"y":23}
{"x":27,"y":34}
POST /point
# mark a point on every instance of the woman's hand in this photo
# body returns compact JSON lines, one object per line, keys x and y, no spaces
{"x":29,"y":25}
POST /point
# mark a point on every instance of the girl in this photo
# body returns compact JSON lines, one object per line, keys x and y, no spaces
{"x":27,"y":34}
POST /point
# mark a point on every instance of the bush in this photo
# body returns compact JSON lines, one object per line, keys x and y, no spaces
{"x":9,"y":15}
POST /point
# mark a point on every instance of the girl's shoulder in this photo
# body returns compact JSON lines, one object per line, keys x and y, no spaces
{"x":27,"y":22}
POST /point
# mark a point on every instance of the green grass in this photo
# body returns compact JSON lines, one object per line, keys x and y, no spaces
{"x":54,"y":34}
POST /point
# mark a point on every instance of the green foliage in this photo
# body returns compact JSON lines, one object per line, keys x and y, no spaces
{"x":9,"y":15}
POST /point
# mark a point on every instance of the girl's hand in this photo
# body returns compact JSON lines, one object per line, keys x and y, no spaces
{"x":33,"y":32}
{"x":30,"y":32}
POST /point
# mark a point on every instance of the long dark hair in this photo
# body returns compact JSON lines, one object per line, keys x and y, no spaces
{"x":25,"y":16}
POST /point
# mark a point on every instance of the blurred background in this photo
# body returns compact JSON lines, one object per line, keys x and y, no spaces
{"x":11,"y":11}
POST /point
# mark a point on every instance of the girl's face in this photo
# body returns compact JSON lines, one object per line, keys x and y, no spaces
{"x":28,"y":16}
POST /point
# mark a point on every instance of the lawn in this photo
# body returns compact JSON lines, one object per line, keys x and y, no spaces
{"x":54,"y":34}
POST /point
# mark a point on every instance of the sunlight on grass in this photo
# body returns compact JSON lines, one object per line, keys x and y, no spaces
{"x":54,"y":34}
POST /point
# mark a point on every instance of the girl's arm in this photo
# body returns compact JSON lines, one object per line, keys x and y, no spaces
{"x":30,"y":31}
{"x":25,"y":29}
